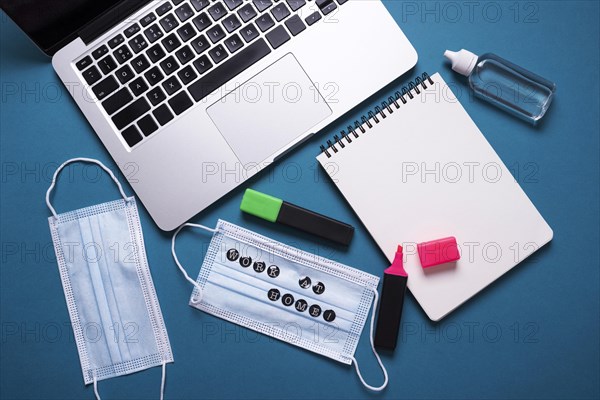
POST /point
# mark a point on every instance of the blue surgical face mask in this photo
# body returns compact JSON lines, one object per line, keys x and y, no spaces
{"x":115,"y":314}
{"x":308,"y":301}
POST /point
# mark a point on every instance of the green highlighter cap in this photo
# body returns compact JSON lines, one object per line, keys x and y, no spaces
{"x":261,"y":205}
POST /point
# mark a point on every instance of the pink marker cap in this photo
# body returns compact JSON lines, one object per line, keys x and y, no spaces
{"x":438,"y":252}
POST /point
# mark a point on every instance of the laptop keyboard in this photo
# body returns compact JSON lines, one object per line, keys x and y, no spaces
{"x":182,"y":51}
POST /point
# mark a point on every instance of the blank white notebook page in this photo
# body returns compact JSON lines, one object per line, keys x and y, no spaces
{"x":426,"y":172}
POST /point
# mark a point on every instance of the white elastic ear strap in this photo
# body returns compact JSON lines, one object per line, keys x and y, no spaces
{"x":162,"y":383}
{"x":163,"y":379}
{"x":79,"y":159}
{"x":385,"y":374}
{"x":96,"y":388}
{"x":183,"y":271}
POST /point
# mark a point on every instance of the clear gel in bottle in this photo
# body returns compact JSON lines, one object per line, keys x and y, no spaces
{"x":504,"y":84}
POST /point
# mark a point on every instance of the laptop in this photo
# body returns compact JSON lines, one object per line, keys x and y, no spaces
{"x":193,"y":97}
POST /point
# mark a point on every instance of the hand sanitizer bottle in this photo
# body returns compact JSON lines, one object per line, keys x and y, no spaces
{"x":504,"y":84}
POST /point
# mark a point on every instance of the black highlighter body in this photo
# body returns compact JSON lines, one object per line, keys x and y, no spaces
{"x":393,"y":291}
{"x":314,"y":223}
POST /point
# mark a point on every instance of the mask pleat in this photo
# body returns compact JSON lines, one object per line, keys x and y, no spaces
{"x":109,"y":264}
{"x":104,"y":317}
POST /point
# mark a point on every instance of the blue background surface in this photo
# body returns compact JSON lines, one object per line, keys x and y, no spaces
{"x":532,"y":334}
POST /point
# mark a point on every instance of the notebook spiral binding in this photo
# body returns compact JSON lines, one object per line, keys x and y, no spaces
{"x":365,"y":121}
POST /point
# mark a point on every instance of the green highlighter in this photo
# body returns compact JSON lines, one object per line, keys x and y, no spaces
{"x":276,"y":210}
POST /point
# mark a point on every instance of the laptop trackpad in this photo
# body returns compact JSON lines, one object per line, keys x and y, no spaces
{"x":269,"y":111}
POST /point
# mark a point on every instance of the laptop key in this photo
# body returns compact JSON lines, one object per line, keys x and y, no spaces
{"x":147,"y":125}
{"x":200,"y":44}
{"x":233,"y":4}
{"x":130,"y":113}
{"x":185,"y":55}
{"x":326,"y":10}
{"x":187,"y":75}
{"x":122,"y":54}
{"x":148,"y":19}
{"x":171,"y":42}
{"x":105,"y":87}
{"x":340,"y":2}
{"x":156,"y":53}
{"x":312,"y":18}
{"x":218,"y":53}
{"x":295,"y":4}
{"x":162,"y":114}
{"x":180,"y":102}
{"x":116,"y":101}
{"x":138,"y":86}
{"x":176,"y":2}
{"x":138,"y":43}
{"x":280,"y":11}
{"x":233,"y":43}
{"x":117,"y":40}
{"x":247,"y":12}
{"x":231,"y":23}
{"x":186,"y":32}
{"x":107,"y":65}
{"x":169,"y":23}
{"x":132,"y":136}
{"x":99,"y":52}
{"x":295,"y":25}
{"x":163,"y":9}
{"x":132,"y":30}
{"x":153,"y":33}
{"x":277,"y":36}
{"x":262,"y":5}
{"x":229,"y":69}
{"x":264,"y":22}
{"x":200,"y":5}
{"x":140,"y":63}
{"x":84,"y":63}
{"x":215,"y":33}
{"x":249,"y":33}
{"x":184,"y":12}
{"x":156,"y":96}
{"x":125,"y":74}
{"x":153,"y":76}
{"x":171,"y":85}
{"x":169,"y":65}
{"x":202,"y":22}
{"x":217,"y":11}
{"x":92,"y":75}
{"x":202,"y":64}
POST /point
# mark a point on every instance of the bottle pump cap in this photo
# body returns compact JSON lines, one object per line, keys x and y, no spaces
{"x":463,"y":61}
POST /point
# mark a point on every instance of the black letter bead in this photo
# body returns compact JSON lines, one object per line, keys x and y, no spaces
{"x":314,"y":310}
{"x":232,"y":254}
{"x":274,"y":294}
{"x":329,"y":315}
{"x":287,"y":300}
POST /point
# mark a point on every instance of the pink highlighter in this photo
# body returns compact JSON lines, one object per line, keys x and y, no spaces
{"x":393,"y":289}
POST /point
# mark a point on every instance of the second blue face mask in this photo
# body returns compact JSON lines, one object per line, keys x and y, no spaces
{"x":308,"y":301}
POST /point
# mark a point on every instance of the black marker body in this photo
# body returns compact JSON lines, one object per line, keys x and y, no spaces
{"x":316,"y":224}
{"x":390,"y":311}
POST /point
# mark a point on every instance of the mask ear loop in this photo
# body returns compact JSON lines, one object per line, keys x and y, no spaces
{"x":162,"y":381}
{"x":183,"y":271}
{"x":385,"y":374}
{"x":80,"y":159}
{"x":96,"y":388}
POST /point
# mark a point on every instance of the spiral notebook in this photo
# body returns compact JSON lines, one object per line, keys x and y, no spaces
{"x":417,"y":169}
